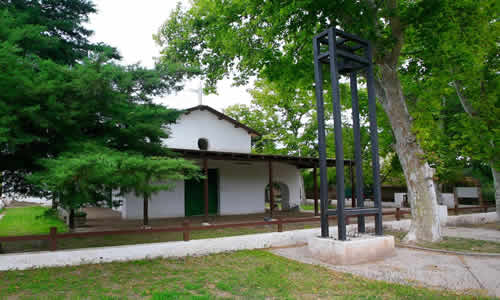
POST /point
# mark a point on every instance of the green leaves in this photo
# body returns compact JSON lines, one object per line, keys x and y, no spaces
{"x":452,"y":80}
{"x":88,"y":172}
{"x":58,"y":89}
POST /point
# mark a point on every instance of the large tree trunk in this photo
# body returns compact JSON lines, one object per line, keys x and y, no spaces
{"x":496,"y":182}
{"x":425,"y":224}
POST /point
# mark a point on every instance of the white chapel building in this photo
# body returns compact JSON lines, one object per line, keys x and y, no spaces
{"x":237,"y":179}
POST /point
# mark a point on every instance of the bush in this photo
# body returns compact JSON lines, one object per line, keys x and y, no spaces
{"x":80,"y":213}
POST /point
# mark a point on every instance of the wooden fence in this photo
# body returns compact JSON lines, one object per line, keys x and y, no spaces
{"x":186,"y":228}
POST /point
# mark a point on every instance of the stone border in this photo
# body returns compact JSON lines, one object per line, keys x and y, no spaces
{"x":21,"y":261}
{"x":471,"y":219}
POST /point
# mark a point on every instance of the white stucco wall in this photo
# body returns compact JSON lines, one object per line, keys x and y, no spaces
{"x":163,"y":204}
{"x":241,"y":190}
{"x":221,"y":134}
{"x":241,"y":186}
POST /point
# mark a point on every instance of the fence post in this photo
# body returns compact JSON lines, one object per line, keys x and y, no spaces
{"x":53,"y":239}
{"x":280,"y":225}
{"x":185,"y":233}
{"x":398,"y":213}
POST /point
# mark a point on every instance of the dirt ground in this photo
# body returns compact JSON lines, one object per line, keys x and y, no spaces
{"x":463,"y":273}
{"x":467,"y":274}
{"x":99,"y":218}
{"x":107,"y":219}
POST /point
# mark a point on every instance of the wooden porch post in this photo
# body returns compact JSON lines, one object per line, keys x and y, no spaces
{"x":353,"y":198}
{"x":145,"y":217}
{"x":271,"y":191}
{"x":71,"y":218}
{"x":205,"y":187}
{"x":315,"y":180}
{"x":480,"y":195}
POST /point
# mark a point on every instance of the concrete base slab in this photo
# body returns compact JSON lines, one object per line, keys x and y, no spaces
{"x":356,"y":250}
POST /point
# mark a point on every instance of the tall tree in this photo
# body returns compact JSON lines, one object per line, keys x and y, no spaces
{"x":58,"y":90}
{"x":456,"y":66}
{"x":50,"y":29}
{"x":271,"y":39}
{"x":286,"y":118}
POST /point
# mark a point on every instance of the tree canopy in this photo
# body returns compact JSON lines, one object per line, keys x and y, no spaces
{"x":61,"y":93}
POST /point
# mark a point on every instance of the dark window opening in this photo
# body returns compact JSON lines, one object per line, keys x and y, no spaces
{"x":203,"y":144}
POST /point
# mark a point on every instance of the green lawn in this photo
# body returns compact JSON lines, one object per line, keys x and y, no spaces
{"x":310,"y":207}
{"x":29,"y":220}
{"x":244,"y":275}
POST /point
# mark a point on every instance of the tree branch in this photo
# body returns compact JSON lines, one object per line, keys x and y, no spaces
{"x":379,"y":91}
{"x":397,"y":29}
{"x":463,"y":100}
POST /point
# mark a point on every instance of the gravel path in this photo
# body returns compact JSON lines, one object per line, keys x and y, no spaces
{"x":473,"y":233}
{"x":413,"y":267}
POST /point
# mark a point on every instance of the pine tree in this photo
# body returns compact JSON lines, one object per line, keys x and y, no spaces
{"x":61,"y":93}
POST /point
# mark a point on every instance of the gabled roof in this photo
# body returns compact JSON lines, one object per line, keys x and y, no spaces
{"x":222,"y":116}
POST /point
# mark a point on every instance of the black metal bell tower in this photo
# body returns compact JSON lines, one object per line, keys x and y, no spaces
{"x":346,"y":54}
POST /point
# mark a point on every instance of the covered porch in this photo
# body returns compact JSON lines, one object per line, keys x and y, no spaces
{"x":101,"y":219}
{"x":272,"y":172}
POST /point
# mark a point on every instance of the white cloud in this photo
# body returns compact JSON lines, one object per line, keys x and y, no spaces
{"x":129,"y":26}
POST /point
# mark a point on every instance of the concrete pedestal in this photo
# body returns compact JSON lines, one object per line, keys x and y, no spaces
{"x":443,"y":214}
{"x":356,"y":250}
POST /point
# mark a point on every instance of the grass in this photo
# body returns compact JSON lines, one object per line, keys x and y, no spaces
{"x":253,"y":274}
{"x":29,"y":220}
{"x":461,"y":244}
{"x":454,"y":244}
{"x":310,"y":207}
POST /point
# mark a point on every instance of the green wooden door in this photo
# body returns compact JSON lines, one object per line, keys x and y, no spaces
{"x":193,"y":195}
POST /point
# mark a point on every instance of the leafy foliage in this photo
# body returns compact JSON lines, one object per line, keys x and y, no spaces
{"x":287,"y":119}
{"x":452,"y":80}
{"x":89,"y":173}
{"x":59,"y":92}
{"x":441,"y":42}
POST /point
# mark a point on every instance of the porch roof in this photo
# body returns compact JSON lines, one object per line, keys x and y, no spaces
{"x":300,"y":162}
